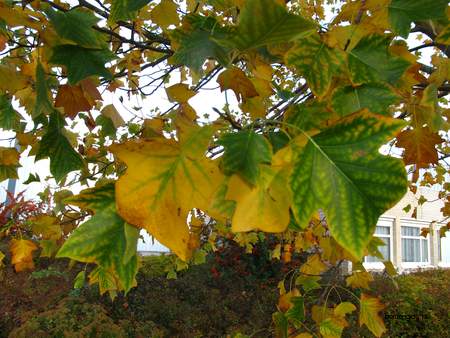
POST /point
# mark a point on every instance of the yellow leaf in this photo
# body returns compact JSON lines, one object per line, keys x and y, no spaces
{"x":187,"y":111}
{"x":9,"y":156}
{"x":313,"y":266}
{"x":254,"y":106}
{"x":11,"y":80}
{"x":369,"y":308}
{"x":2,"y":256}
{"x":284,"y":302}
{"x":320,"y":313}
{"x":343,"y":308}
{"x":46,"y":226}
{"x":179,"y":92}
{"x":153,"y":128}
{"x":390,"y":268}
{"x":263,"y":87}
{"x":165,"y":14}
{"x":164,"y":181}
{"x":264,"y":206}
{"x":236,"y":80}
{"x":359,"y":279}
{"x":22,"y":254}
{"x":111,"y":112}
{"x":303,"y":335}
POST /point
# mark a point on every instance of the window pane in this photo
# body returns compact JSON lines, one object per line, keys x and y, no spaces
{"x":410,"y":231}
{"x":385,"y":251}
{"x":382,"y":230}
{"x":424,"y":250}
{"x":445,"y":248}
{"x":410,"y":250}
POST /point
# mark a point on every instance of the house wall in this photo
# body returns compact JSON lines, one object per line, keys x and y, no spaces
{"x":428,"y":215}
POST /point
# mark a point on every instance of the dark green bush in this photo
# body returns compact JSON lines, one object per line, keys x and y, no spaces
{"x":73,"y":318}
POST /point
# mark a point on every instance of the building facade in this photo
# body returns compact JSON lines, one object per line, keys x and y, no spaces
{"x":401,"y":232}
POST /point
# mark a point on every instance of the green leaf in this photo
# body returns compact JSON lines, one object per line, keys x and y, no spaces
{"x":244,"y":152}
{"x":76,"y":25}
{"x":108,"y":128}
{"x":8,"y":171}
{"x":82,"y":62}
{"x":265,"y":22}
{"x":55,"y":145}
{"x":123,"y":10}
{"x":9,"y":118}
{"x":278,"y":140}
{"x":317,"y":62}
{"x":49,"y":247}
{"x":376,"y":97}
{"x":105,"y":239}
{"x":297,"y":312}
{"x":341,"y":171}
{"x":281,"y":324}
{"x":403,"y":12}
{"x":79,"y":280}
{"x":42,"y":106}
{"x":32,"y":178}
{"x":308,"y":283}
{"x":197,"y":45}
{"x":370,"y":61}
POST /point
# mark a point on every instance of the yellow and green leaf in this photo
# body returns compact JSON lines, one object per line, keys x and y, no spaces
{"x":341,"y":171}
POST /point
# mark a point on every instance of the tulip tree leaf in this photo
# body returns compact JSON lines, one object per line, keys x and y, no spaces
{"x":76,"y":25}
{"x":341,"y":171}
{"x":105,"y":239}
{"x":125,"y":9}
{"x":376,"y":97}
{"x":82,"y":62}
{"x":403,"y":12}
{"x":265,"y":22}
{"x":198,"y":44}
{"x":164,"y":181}
{"x":370,"y":61}
{"x":244,"y":152}
{"x":55,"y":145}
{"x":317,"y":62}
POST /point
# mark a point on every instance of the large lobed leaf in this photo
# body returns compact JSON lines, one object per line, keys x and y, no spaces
{"x":371,"y":61}
{"x":317,"y":62}
{"x":403,"y":12}
{"x":265,"y":22}
{"x":163,"y":182}
{"x":341,"y":171}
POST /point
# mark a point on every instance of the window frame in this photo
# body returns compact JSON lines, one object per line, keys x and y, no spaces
{"x":414,"y":223}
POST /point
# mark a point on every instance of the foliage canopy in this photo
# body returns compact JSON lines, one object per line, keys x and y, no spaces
{"x":318,"y":88}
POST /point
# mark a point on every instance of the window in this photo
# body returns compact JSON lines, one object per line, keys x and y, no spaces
{"x":444,"y":248}
{"x":414,"y":246}
{"x":384,"y":233}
